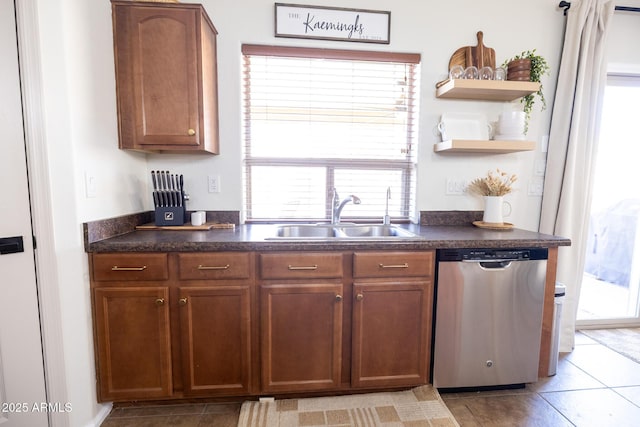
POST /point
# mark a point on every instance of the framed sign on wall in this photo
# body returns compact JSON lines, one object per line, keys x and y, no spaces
{"x":329,"y":23}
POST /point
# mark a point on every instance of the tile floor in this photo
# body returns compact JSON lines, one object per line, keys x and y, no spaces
{"x":594,"y":386}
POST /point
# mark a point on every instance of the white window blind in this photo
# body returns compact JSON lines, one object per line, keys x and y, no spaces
{"x":317,"y":119}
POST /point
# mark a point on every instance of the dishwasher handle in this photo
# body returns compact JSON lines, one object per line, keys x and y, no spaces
{"x":503,"y":264}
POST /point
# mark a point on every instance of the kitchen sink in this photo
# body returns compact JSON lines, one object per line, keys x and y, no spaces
{"x":306,"y":231}
{"x":340,"y":232}
{"x":355,"y":231}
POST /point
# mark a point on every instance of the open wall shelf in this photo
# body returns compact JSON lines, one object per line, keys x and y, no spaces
{"x":486,"y":90}
{"x":477,"y":146}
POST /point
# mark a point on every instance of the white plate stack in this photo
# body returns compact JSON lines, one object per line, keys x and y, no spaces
{"x":510,"y":126}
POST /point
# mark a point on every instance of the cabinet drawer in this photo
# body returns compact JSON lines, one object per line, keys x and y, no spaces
{"x":130,"y":266}
{"x":296,"y":265}
{"x":392,"y":264}
{"x":214,"y":265}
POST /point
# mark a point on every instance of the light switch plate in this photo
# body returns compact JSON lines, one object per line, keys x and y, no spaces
{"x":213,"y":183}
{"x":90,"y":187}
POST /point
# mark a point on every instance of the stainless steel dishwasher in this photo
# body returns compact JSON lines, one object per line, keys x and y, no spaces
{"x":488,"y":317}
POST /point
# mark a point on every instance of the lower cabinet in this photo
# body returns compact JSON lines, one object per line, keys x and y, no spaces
{"x":215,"y":337}
{"x":300,"y":336}
{"x":133,"y":343}
{"x":391,"y":333}
{"x":189,"y":337}
{"x":392,"y":314}
{"x":218,"y":324}
{"x":301,"y":312}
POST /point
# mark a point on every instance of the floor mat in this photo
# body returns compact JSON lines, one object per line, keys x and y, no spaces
{"x":421,"y":406}
{"x":624,"y":341}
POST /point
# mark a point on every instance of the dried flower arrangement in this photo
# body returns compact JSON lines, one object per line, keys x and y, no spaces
{"x":492,"y":184}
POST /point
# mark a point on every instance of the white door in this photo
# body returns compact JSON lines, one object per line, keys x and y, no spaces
{"x":22,"y":389}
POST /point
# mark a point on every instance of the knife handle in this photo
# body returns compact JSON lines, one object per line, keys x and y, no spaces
{"x":153,"y":179}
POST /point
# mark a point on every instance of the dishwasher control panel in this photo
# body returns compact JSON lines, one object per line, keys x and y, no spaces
{"x":492,"y":254}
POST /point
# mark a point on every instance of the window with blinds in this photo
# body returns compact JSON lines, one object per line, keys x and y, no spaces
{"x":316,"y":120}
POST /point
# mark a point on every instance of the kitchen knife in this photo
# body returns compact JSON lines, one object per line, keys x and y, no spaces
{"x":181,"y":188}
{"x":174,"y":190}
{"x":165,"y":189}
{"x":156,"y":201}
{"x":153,"y":178}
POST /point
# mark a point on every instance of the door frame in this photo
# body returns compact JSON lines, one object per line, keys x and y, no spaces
{"x":41,"y":206}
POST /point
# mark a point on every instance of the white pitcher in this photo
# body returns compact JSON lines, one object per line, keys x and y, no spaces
{"x":494,"y":210}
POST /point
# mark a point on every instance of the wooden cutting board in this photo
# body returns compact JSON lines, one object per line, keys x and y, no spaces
{"x":187,"y":227}
{"x":479,"y":55}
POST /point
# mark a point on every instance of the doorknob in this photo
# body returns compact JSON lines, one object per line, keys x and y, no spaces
{"x":11,"y":245}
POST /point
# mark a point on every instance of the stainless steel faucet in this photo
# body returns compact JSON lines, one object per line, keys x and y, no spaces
{"x":387,"y":219}
{"x":339,"y":205}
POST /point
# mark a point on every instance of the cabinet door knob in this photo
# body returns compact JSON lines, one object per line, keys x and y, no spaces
{"x":182,"y":301}
{"x":159,"y":302}
{"x":191,"y":132}
{"x":338,"y":297}
{"x":359,"y":297}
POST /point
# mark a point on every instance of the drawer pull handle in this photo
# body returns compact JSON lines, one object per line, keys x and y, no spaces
{"x":338,"y":298}
{"x":159,"y":302}
{"x":182,"y":301}
{"x":359,"y":297}
{"x":303,"y":267}
{"x":191,"y":132}
{"x":219,"y":267}
{"x":405,"y":265}
{"x":116,"y":268}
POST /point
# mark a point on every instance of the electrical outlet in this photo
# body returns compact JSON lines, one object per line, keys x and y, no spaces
{"x":536,"y":187}
{"x":213,"y":182}
{"x":456,"y":187}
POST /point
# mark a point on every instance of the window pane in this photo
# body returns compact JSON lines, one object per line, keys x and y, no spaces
{"x":611,"y":280}
{"x":371,"y":187}
{"x":287,"y":192}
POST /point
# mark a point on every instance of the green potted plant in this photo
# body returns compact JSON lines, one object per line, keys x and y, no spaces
{"x":516,"y":70}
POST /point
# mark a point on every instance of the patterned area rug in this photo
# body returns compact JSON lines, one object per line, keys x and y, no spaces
{"x":421,"y":406}
{"x":624,"y":341}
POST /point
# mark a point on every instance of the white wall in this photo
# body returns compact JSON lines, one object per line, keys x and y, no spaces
{"x":433,"y":29}
{"x":81,"y":128}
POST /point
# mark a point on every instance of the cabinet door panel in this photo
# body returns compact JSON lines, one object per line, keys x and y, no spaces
{"x":301,"y":336}
{"x":133,"y":342}
{"x":165,"y":90}
{"x":391,"y":333}
{"x":215,"y":326}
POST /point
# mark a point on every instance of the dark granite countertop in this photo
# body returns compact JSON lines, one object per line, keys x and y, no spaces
{"x":256,"y":237}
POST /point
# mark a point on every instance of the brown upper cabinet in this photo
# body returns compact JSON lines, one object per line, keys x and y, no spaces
{"x":166,"y":77}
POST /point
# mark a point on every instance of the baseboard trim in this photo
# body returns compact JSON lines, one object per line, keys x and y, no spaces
{"x":101,"y":415}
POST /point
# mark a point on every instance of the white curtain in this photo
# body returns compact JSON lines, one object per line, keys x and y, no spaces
{"x":573,"y":141}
